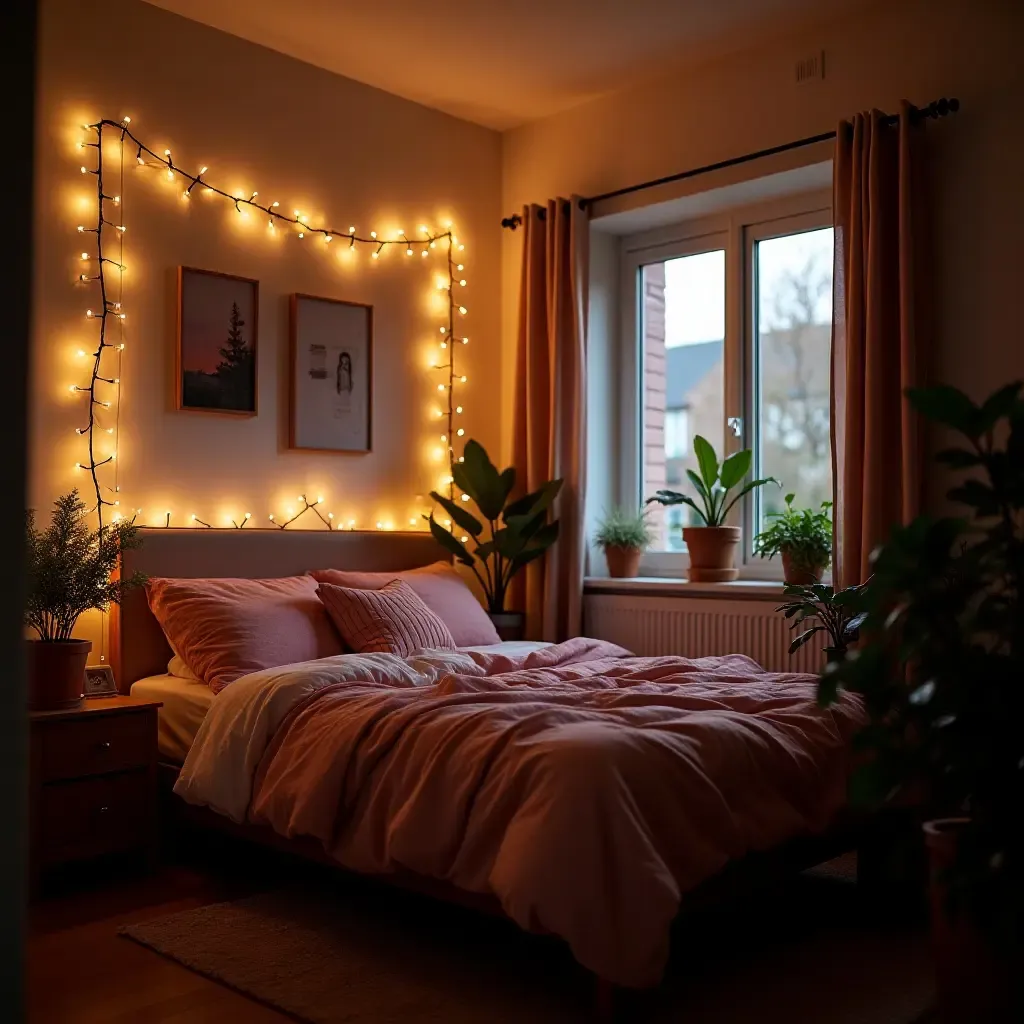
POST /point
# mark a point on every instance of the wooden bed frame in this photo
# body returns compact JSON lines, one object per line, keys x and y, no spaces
{"x":139,"y":648}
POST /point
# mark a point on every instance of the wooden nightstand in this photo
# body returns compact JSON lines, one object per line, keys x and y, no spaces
{"x":93,"y":782}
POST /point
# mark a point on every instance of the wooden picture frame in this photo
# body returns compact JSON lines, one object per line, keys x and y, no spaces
{"x":330,"y":387}
{"x":208,"y":302}
{"x":99,"y":681}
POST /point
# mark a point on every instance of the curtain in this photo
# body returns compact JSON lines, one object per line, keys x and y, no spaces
{"x":549,"y":417}
{"x":877,"y":334}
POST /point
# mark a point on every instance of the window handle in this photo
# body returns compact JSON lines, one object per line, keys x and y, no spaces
{"x":735,"y":424}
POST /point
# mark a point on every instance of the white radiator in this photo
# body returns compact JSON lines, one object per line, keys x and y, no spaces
{"x":697,"y":627}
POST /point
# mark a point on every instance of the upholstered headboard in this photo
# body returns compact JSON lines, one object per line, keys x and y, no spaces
{"x":138,"y":647}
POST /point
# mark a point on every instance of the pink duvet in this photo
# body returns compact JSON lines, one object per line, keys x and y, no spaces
{"x":585,"y":788}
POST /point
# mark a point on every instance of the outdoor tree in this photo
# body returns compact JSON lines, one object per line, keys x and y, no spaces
{"x":236,"y":367}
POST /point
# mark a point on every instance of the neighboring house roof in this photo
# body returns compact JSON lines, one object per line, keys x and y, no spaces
{"x":686,"y":367}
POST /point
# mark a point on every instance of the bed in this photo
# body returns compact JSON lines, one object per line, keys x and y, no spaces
{"x":564,"y":786}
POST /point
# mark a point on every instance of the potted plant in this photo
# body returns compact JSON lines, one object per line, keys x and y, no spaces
{"x":838,"y":616}
{"x":623,"y":536}
{"x":69,"y":568}
{"x":517,"y":531}
{"x":804,"y":540}
{"x":712,"y":547}
{"x":941,"y":673}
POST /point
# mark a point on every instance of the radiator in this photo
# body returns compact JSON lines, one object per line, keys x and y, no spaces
{"x":697,"y":627}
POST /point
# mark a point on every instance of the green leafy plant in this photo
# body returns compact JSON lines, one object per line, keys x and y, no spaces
{"x":517,"y":531}
{"x":838,"y":615}
{"x":804,"y":535}
{"x":69,"y":567}
{"x":941,"y":670}
{"x":622,"y":529}
{"x":715,"y":484}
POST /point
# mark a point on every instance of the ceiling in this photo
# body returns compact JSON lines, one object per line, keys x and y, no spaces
{"x":503,"y":62}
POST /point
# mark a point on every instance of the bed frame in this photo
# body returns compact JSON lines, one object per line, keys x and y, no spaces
{"x":139,"y":649}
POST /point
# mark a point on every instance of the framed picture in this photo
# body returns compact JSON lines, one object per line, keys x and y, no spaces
{"x":331,"y":393}
{"x":99,"y":681}
{"x":215,"y":367}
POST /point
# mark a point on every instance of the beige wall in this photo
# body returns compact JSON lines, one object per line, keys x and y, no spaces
{"x":312,"y":140}
{"x":919,"y":49}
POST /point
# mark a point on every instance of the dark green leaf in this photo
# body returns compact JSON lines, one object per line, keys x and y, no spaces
{"x":536,"y":501}
{"x":698,"y":484}
{"x":485,"y":484}
{"x":746,"y":489}
{"x":707,"y":460}
{"x":958,"y":458}
{"x":450,"y":543}
{"x":735,"y":468}
{"x":800,"y":640}
{"x":948,"y":405}
{"x":459,"y":515}
{"x":999,"y":404}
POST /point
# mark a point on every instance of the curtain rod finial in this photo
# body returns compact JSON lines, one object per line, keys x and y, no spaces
{"x":511,"y":222}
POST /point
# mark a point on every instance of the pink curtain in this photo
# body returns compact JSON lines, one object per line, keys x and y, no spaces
{"x":877,"y":334}
{"x":549,"y":418}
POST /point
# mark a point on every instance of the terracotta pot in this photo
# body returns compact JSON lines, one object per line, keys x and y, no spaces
{"x":974,"y":984}
{"x":56,"y":673}
{"x":622,"y":562}
{"x":799,"y":574}
{"x":510,"y":625}
{"x":712,"y":552}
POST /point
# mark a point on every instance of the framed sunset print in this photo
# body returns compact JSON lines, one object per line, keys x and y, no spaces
{"x":215,"y":367}
{"x":331,"y":392}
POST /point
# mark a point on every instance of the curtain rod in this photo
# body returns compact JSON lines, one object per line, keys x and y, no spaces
{"x":935,"y":109}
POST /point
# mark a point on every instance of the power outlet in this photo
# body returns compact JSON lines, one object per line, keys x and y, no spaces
{"x":811,"y":68}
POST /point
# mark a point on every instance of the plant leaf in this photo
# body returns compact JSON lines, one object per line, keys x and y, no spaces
{"x":799,"y":641}
{"x":746,"y":489}
{"x":460,"y":515}
{"x":480,"y":479}
{"x":707,"y":460}
{"x":735,"y":468}
{"x":948,"y":405}
{"x":450,"y":543}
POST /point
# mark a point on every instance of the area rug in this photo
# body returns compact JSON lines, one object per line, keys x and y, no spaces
{"x":351,"y":953}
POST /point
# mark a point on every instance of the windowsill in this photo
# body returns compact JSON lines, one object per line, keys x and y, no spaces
{"x":663,"y":586}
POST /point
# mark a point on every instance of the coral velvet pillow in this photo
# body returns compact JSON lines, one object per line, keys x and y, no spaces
{"x":225,"y":628}
{"x":392,"y":620}
{"x":440,"y":588}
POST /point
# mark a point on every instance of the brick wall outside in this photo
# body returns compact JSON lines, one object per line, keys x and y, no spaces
{"x":653,"y":396}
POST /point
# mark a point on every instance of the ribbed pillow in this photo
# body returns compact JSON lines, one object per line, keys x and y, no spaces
{"x":441,"y":589}
{"x":392,"y":620}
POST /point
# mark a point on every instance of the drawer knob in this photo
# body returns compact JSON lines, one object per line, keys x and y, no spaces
{"x":104,"y":744}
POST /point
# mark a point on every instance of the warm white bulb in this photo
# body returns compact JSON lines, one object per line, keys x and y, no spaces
{"x":463,"y":310}
{"x":443,"y":330}
{"x":465,"y":497}
{"x":352,"y":230}
{"x":327,"y":238}
{"x":203,"y":170}
{"x":319,"y":498}
{"x":85,"y":170}
{"x":81,"y":227}
{"x":460,"y":267}
{"x":440,"y":387}
{"x":463,"y":378}
{"x":376,"y":255}
{"x":373,"y":234}
{"x":248,"y":515}
{"x":85,"y":255}
{"x":126,"y":119}
{"x":460,"y":432}
{"x":458,"y":408}
{"x":444,"y":344}
{"x":412,"y":520}
{"x":463,"y":283}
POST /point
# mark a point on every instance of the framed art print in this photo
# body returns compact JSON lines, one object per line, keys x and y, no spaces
{"x":331,"y":395}
{"x":215,"y":367}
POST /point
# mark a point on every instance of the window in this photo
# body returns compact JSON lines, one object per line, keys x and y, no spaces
{"x":726,"y":334}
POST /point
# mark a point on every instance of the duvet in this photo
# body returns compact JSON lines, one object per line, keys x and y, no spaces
{"x":584,"y":788}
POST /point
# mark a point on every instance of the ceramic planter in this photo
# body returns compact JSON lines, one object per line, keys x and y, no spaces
{"x":623,"y":563}
{"x":712,"y":552}
{"x":975,"y":985}
{"x":798,"y":573}
{"x":509,"y":625}
{"x":56,"y":673}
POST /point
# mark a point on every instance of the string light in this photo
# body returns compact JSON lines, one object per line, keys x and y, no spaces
{"x":112,"y":310}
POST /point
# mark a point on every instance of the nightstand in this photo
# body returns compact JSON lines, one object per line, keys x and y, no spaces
{"x":93,"y":782}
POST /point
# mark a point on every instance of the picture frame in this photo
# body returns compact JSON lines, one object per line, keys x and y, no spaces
{"x":216,"y":356}
{"x":330,"y":393}
{"x":99,"y":681}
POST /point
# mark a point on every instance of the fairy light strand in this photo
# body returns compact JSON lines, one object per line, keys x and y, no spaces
{"x":145,"y":156}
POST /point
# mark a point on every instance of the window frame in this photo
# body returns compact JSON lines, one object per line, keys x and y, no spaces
{"x":736,"y":231}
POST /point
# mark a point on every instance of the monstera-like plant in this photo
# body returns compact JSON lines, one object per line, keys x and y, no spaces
{"x":509,"y":533}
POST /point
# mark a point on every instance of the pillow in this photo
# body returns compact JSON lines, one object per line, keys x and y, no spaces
{"x":393,"y":619}
{"x":225,"y":628}
{"x":176,"y":667}
{"x":441,"y":589}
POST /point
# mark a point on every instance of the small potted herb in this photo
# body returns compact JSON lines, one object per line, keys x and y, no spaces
{"x":623,"y":536}
{"x":712,"y":547}
{"x":838,"y":616}
{"x":69,"y":568}
{"x":517,"y":530}
{"x":804,"y":540}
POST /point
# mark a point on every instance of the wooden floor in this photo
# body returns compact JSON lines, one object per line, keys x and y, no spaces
{"x":80,"y":971}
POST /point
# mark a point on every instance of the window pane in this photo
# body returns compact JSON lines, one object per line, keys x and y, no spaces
{"x":794,"y":315}
{"x":683,"y":332}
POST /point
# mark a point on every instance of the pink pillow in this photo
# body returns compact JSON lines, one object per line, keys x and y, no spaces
{"x":225,"y":628}
{"x":442,"y":590}
{"x":392,"y":620}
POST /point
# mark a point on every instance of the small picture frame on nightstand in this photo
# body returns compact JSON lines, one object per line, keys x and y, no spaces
{"x":99,"y":681}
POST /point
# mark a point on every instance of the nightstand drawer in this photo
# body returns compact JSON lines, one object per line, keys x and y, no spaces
{"x":90,"y":746}
{"x":89,"y":817}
